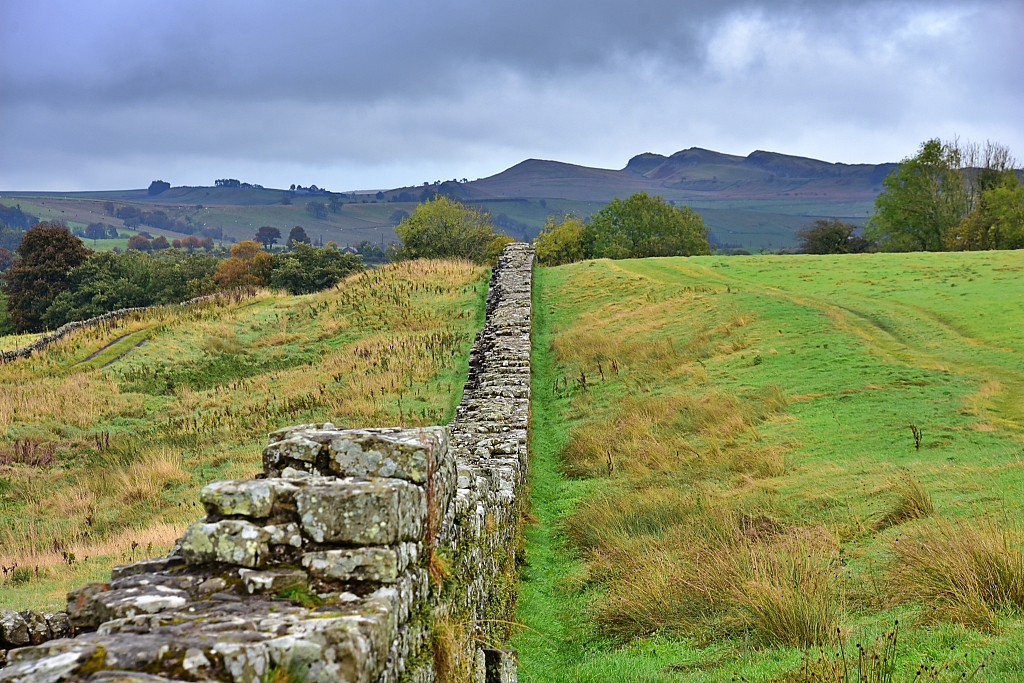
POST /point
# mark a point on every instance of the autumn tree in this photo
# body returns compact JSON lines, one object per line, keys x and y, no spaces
{"x":248,"y":266}
{"x":139,"y":243}
{"x":48,"y":252}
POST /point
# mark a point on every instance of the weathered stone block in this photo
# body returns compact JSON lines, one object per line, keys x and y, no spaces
{"x":38,"y":629}
{"x":272,"y":580}
{"x":58,"y":623}
{"x":295,"y":447}
{"x":384,"y":565}
{"x":362,"y":512}
{"x":252,"y":497}
{"x":232,"y":541}
{"x":94,"y":604}
{"x":13,"y":629}
{"x":401,"y":454}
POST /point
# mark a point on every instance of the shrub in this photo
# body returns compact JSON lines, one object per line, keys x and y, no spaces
{"x":644,"y":226}
{"x":561,"y":242}
{"x":444,"y":228}
{"x":309,"y":269}
{"x":831,"y":236}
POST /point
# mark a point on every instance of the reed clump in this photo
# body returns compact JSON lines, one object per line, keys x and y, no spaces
{"x":960,"y":571}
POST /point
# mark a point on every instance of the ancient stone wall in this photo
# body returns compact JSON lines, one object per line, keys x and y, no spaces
{"x":358,"y":555}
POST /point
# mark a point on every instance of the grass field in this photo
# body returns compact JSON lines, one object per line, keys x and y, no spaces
{"x":724,"y":471}
{"x":107,"y":436}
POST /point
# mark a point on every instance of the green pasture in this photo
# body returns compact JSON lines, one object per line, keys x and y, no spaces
{"x":861,"y":347}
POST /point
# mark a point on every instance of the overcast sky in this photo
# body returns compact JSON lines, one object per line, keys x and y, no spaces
{"x":115,"y":93}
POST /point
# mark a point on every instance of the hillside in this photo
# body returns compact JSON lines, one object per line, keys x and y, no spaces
{"x":724,"y":468}
{"x":753,"y":202}
{"x":108,"y":435}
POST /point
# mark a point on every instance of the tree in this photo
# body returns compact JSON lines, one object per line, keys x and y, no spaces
{"x":316,"y":209}
{"x":158,"y":186}
{"x":139,"y":243}
{"x":298,"y":234}
{"x":96,"y":231}
{"x":160,"y":243}
{"x":831,"y":236}
{"x":249,"y":266}
{"x":310,"y":269}
{"x":48,"y":252}
{"x":268,"y":236}
{"x":561,"y":242}
{"x":6,"y":260}
{"x":643,"y":226}
{"x":444,"y":228}
{"x":924,"y":197}
{"x":334,"y":203}
{"x":379,"y":195}
{"x":997,"y":221}
{"x":191,"y":243}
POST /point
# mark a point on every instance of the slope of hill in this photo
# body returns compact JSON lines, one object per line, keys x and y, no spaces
{"x":107,"y":436}
{"x":732,"y":457}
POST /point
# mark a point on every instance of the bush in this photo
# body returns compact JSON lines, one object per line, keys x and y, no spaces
{"x":444,"y":228}
{"x":139,"y":243}
{"x":831,"y":236}
{"x":309,"y":269}
{"x":643,"y":226}
{"x":561,"y":242}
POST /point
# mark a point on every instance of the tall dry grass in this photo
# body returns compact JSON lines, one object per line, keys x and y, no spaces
{"x":965,"y":572}
{"x":912,"y":501}
{"x":708,"y":579}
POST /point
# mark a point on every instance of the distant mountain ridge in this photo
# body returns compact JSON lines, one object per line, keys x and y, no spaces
{"x":693,"y":174}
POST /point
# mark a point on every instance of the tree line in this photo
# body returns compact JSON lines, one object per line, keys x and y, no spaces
{"x":947,"y":197}
{"x":52,"y":278}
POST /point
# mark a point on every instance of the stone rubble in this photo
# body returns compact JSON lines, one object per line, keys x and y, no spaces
{"x":340,"y":561}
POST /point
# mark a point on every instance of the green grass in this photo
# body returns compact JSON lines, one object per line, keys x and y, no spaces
{"x":107,"y":436}
{"x":862,"y":347}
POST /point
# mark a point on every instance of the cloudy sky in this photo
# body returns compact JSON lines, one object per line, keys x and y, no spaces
{"x":349,"y":94}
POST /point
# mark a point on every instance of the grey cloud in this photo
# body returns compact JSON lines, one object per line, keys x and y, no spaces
{"x":366,"y":94}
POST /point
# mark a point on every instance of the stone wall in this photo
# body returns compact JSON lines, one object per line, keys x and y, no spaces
{"x":358,"y":555}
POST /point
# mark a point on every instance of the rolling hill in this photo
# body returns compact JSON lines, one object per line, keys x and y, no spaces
{"x":754,"y":202}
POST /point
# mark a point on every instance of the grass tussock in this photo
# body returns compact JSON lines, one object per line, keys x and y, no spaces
{"x":960,"y":571}
{"x":912,"y":501}
{"x":655,"y":433}
{"x":712,"y":579}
